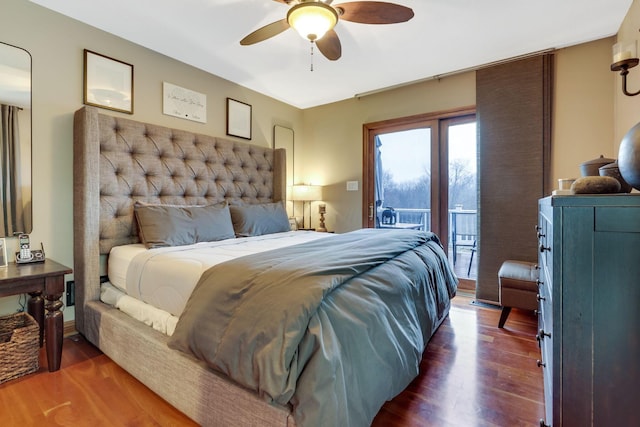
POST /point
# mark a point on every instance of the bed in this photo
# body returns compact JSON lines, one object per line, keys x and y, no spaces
{"x":225,"y":376}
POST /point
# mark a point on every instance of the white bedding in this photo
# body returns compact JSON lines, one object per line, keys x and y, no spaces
{"x":158,"y":319}
{"x":165,"y":277}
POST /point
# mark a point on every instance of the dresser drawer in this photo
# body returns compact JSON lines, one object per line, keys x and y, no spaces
{"x":617,"y":219}
{"x":545,"y":245}
{"x":545,"y":334}
{"x":545,"y":324}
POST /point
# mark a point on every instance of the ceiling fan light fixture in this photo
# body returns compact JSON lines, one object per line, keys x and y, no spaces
{"x":312,"y":20}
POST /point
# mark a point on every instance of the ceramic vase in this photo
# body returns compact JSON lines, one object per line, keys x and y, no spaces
{"x":629,"y":157}
{"x":590,"y":168}
{"x":613,"y":171}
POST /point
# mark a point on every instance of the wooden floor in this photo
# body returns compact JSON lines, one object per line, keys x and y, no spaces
{"x":472,"y":374}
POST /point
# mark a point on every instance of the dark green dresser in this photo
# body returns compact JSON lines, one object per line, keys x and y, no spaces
{"x":589,"y":318}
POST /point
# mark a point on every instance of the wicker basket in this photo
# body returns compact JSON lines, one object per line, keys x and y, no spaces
{"x":19,"y":346}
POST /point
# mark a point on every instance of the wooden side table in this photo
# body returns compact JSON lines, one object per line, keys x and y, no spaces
{"x":43,"y":281}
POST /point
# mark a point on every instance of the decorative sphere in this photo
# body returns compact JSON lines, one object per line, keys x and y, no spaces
{"x":629,"y":157}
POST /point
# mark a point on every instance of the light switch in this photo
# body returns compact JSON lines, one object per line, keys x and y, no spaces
{"x":352,"y":185}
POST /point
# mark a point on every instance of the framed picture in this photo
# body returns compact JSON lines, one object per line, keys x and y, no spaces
{"x":3,"y":253}
{"x":238,"y":119}
{"x":184,"y":103}
{"x":108,"y":83}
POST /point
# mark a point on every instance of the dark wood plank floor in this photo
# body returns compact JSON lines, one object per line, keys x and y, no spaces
{"x":472,"y":374}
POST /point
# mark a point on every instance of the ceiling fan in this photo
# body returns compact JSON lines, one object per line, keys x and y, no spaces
{"x":315,"y":20}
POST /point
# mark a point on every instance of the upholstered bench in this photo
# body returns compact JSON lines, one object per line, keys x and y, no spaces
{"x":518,"y":287}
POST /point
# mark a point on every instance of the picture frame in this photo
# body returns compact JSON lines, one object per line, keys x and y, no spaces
{"x":108,"y":82}
{"x":3,"y":253}
{"x":184,"y":103}
{"x":283,"y":137}
{"x":238,"y":119}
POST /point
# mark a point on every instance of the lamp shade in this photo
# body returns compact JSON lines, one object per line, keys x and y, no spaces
{"x":306,"y":193}
{"x":313,"y":19}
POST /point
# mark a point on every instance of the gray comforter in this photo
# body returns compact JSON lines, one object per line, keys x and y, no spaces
{"x":333,"y":327}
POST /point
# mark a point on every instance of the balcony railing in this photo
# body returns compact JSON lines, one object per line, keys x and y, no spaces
{"x":423,"y":217}
{"x":462,"y":230}
{"x":414,"y":216}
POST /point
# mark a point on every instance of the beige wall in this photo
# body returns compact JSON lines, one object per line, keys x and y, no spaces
{"x":627,"y":108}
{"x":331,"y":152}
{"x":582,"y":108}
{"x":56,"y":45}
{"x":328,"y":139}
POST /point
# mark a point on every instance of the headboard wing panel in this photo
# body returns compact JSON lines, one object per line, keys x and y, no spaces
{"x":119,"y":161}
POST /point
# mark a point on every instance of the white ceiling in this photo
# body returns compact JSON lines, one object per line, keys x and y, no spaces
{"x":444,"y":36}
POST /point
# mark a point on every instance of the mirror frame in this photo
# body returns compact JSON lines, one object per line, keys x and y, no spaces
{"x":28,"y":160}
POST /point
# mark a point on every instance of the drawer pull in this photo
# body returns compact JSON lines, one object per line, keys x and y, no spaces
{"x":540,"y":298}
{"x":543,"y":424}
{"x":542,"y":334}
{"x":541,"y":364}
{"x":544,"y":248}
{"x":539,"y":282}
{"x":539,"y":232}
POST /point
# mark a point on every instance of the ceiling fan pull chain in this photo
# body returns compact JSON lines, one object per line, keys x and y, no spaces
{"x":312,"y":55}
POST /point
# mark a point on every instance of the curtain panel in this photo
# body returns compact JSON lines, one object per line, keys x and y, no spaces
{"x":11,"y":219}
{"x":513,"y":102}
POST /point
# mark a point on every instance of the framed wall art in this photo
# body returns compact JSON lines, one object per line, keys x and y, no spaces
{"x":108,"y":83}
{"x":184,"y":103}
{"x":238,"y":119}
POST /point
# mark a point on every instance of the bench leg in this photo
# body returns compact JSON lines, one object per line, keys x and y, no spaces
{"x":503,"y":316}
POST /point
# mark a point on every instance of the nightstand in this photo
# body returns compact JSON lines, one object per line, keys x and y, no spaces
{"x":43,"y":281}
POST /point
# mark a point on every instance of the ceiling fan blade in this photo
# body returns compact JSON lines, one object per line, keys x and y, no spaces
{"x":374,"y":12}
{"x":329,"y":45}
{"x":265,"y":32}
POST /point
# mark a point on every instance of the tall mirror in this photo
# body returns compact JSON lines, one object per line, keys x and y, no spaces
{"x":15,"y":140}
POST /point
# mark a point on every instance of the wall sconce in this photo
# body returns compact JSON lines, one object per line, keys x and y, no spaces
{"x":624,"y":57}
{"x":306,"y":193}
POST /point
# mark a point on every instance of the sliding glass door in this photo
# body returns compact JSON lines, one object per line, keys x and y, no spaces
{"x":403,"y":179}
{"x":420,"y":173}
{"x":462,"y":189}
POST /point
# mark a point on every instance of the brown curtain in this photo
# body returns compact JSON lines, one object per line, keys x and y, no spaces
{"x":11,"y":218}
{"x":513,"y":102}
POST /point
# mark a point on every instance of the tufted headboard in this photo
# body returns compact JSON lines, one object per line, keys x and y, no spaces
{"x":119,"y":161}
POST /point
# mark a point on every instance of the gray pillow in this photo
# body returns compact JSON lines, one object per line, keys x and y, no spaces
{"x":259,"y":219}
{"x":171,"y":225}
